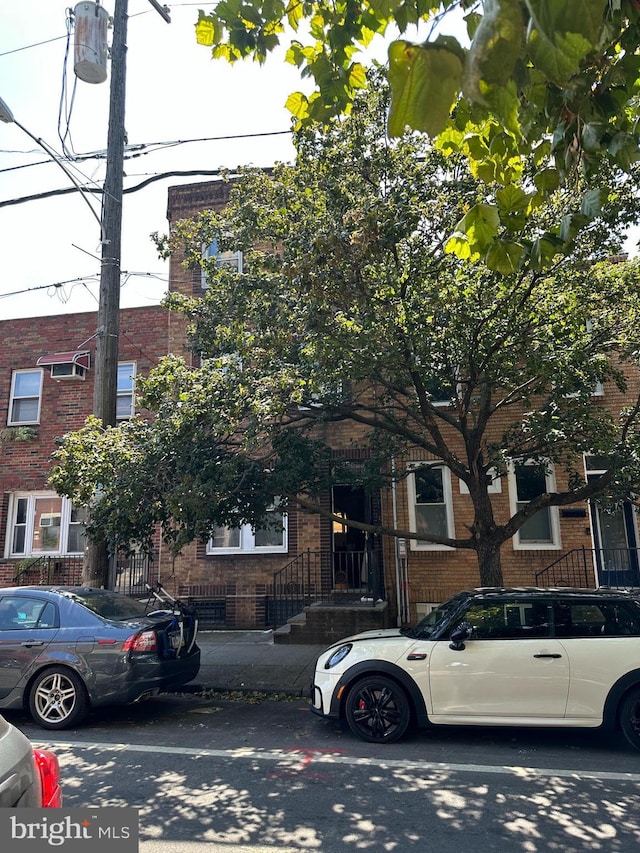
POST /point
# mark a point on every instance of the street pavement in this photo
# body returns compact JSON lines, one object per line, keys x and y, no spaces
{"x":250,"y":660}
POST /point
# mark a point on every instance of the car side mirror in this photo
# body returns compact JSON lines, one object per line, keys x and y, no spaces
{"x":459,"y":635}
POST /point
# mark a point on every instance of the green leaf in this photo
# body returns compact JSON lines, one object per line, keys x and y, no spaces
{"x":425,"y":81}
{"x":555,"y":18}
{"x":504,"y":256}
{"x":480,"y":226}
{"x":208,"y":30}
{"x":592,"y":202}
{"x":547,"y":180}
{"x":496,"y":45}
{"x":571,"y":225}
{"x":558,"y":60}
{"x":298,"y":105}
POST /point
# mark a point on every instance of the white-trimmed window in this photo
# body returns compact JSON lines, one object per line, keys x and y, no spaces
{"x":271,"y":539}
{"x":43,"y":523}
{"x":430,"y":504}
{"x":126,"y":390}
{"x":528,"y":479}
{"x":224,"y":260}
{"x":26,"y":393}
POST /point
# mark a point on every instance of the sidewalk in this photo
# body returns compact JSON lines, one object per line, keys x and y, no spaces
{"x":250,"y":660}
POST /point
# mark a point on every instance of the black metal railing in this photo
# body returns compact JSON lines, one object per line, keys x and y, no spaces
{"x":591,"y":567}
{"x":49,"y":570}
{"x":322,"y":577}
{"x":132,"y":574}
{"x":130,"y":578}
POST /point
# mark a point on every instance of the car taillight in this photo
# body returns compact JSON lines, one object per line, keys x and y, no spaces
{"x":143,"y":642}
{"x":49,"y":770}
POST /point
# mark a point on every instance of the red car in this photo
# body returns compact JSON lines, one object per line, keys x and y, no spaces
{"x":29,"y":777}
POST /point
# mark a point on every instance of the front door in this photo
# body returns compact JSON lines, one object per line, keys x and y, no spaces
{"x":615,"y":542}
{"x":351,"y":547}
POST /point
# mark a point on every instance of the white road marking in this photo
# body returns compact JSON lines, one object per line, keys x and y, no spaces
{"x":311,"y":756}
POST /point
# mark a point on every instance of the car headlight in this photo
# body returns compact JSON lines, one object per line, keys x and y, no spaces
{"x":338,"y":655}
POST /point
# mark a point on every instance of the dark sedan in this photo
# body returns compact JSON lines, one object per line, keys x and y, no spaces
{"x":64,"y":650}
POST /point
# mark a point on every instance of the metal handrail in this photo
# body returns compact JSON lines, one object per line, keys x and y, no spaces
{"x":325,"y":577}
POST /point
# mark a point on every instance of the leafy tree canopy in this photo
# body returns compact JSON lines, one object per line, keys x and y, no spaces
{"x":351,"y":324}
{"x":560,"y":78}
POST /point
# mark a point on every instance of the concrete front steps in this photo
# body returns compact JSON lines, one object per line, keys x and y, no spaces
{"x":323,"y":624}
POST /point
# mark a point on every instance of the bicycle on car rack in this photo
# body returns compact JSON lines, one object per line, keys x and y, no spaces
{"x":185,"y":631}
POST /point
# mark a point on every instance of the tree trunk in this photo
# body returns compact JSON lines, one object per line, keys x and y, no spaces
{"x":95,"y":567}
{"x":489,"y":563}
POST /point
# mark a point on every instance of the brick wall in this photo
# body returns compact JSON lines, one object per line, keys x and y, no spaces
{"x":25,"y":464}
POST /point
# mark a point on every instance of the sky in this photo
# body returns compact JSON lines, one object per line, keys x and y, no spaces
{"x":175,"y":92}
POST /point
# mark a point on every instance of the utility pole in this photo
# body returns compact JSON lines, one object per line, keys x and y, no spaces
{"x":96,"y":558}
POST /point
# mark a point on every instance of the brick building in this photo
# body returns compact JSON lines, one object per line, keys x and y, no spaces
{"x":582,"y":545}
{"x":257,"y":578}
{"x":46,"y":390}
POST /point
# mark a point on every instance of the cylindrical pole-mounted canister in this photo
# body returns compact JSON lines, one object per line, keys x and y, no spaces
{"x":90,"y":47}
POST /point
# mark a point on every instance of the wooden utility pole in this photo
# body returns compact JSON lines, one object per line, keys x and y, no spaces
{"x":96,"y":558}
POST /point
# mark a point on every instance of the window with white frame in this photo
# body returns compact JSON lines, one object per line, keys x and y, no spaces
{"x":528,"y":480}
{"x":430,"y":504}
{"x":126,"y":390}
{"x":231,"y":260}
{"x":26,"y":393}
{"x":44,"y":523}
{"x":270,"y":539}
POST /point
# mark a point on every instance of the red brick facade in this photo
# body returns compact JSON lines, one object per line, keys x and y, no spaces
{"x":243,"y":582}
{"x":26,"y":451}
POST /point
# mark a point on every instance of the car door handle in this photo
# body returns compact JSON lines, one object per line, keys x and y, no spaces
{"x":29,"y":643}
{"x":547,"y":656}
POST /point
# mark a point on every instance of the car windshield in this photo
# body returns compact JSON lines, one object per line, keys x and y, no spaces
{"x":110,"y":605}
{"x":427,"y":625}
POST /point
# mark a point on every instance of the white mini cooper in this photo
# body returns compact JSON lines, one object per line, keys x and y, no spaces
{"x":492,"y":657}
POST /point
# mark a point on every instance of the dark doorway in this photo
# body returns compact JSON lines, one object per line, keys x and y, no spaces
{"x":350,"y":546}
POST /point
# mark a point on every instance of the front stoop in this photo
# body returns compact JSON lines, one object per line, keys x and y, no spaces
{"x":323,"y":624}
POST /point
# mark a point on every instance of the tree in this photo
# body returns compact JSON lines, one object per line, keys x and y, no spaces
{"x":350,"y":314}
{"x":557,"y":77}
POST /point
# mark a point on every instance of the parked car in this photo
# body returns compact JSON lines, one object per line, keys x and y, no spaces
{"x":29,"y":777}
{"x":492,"y":657}
{"x":64,"y":650}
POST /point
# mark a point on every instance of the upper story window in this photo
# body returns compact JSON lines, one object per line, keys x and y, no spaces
{"x":270,"y":539}
{"x":528,"y":480}
{"x":26,"y":393}
{"x":231,"y":260}
{"x":430,"y":504}
{"x":44,"y":523}
{"x":126,"y":390}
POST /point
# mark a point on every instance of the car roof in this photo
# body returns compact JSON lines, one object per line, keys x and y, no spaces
{"x":553,"y":592}
{"x":55,"y":592}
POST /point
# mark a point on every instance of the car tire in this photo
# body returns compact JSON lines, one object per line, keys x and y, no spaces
{"x":630,"y":717}
{"x":377,"y":710}
{"x":58,"y":698}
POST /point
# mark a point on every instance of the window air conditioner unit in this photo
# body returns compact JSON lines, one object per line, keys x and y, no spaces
{"x":66,"y":365}
{"x":67,"y":371}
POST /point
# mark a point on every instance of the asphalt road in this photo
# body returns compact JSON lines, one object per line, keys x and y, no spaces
{"x":216,"y":774}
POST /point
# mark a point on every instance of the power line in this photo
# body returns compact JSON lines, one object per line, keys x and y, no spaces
{"x":138,"y":150}
{"x":83,"y":279}
{"x":161,"y":176}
